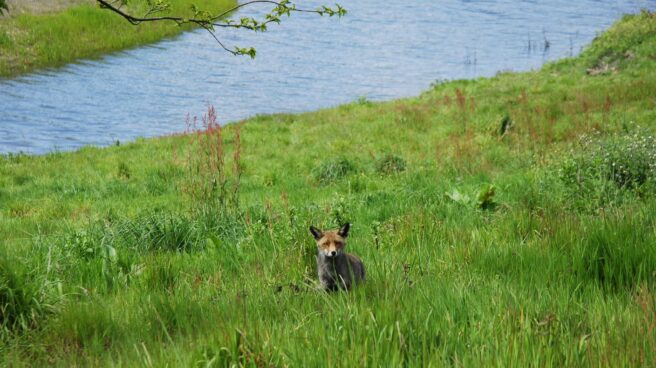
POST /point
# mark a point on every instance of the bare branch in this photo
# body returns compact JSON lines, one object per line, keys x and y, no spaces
{"x":211,"y":32}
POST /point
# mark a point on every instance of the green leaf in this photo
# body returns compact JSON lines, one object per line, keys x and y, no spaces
{"x":213,"y":243}
{"x":111,"y":253}
{"x":458,"y":197}
{"x":246,"y":51}
{"x":485,"y":198}
{"x":340,"y":11}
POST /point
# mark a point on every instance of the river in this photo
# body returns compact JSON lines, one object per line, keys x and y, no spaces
{"x":378,"y":52}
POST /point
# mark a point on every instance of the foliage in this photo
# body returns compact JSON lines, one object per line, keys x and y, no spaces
{"x":606,"y":167}
{"x":484,"y":199}
{"x":210,"y":21}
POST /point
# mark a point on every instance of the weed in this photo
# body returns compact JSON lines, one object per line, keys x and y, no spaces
{"x":461,"y":100}
{"x":208,"y":182}
{"x":483,"y":200}
{"x":609,"y":167}
{"x":84,"y":244}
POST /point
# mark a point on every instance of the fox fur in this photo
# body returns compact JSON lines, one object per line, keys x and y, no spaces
{"x":336,"y":268}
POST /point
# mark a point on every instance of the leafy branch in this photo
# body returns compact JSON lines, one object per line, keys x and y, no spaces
{"x":212,"y":21}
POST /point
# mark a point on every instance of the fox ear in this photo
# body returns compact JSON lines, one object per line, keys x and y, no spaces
{"x":343,"y":231}
{"x":316,"y":232}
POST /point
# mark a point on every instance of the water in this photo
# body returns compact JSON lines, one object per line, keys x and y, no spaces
{"x":377,"y":51}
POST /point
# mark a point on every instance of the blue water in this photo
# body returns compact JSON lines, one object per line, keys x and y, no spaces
{"x":377,"y":51}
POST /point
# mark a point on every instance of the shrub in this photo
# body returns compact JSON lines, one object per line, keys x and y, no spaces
{"x":85,"y":244}
{"x":632,"y":162}
{"x":389,"y":164}
{"x":606,"y":168}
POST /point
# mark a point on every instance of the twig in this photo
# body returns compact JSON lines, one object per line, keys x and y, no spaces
{"x":209,"y":22}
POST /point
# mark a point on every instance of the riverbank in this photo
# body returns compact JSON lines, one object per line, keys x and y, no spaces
{"x":55,"y":33}
{"x":505,"y":221}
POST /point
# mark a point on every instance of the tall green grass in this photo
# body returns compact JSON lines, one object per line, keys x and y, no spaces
{"x":31,"y":41}
{"x":484,"y":246}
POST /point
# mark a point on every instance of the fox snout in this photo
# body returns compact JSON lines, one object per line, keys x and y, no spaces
{"x":330,"y":252}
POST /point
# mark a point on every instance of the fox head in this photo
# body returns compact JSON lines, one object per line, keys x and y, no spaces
{"x":331,"y":243}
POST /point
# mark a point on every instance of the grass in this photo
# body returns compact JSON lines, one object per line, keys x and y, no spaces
{"x":32,"y":41}
{"x":481,"y":247}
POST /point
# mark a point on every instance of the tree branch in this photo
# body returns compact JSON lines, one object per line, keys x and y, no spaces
{"x":211,"y":32}
{"x":209,"y":21}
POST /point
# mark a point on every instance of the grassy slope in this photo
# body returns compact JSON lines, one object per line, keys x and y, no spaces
{"x":31,"y":41}
{"x":542,"y":280}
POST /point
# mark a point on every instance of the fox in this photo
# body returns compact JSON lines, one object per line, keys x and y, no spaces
{"x":337,"y":269}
